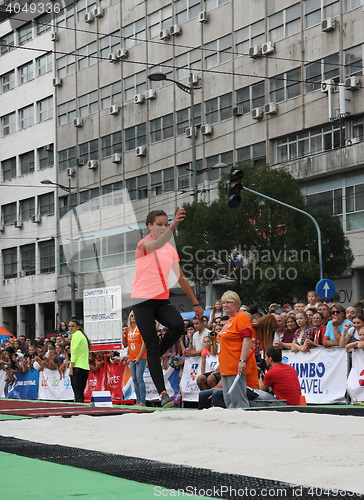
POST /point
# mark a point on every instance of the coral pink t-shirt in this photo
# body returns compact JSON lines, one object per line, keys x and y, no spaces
{"x":152,"y":269}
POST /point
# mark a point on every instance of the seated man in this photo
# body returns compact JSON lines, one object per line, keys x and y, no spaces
{"x":282,"y":378}
{"x":197,"y":339}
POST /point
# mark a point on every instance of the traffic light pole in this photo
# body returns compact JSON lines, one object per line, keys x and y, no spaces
{"x":302,"y":212}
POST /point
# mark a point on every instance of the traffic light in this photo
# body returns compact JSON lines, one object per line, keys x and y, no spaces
{"x":235,"y":186}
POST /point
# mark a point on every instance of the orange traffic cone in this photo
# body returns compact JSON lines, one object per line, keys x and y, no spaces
{"x":303,"y":401}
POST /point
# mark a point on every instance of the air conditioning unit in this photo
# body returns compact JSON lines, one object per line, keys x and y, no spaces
{"x":80,"y":162}
{"x":352,"y":83}
{"x":150,"y":94}
{"x":48,"y":147}
{"x":268,"y":48}
{"x":257,"y":113}
{"x":112,"y":57}
{"x":57,"y":82}
{"x":36,"y":218}
{"x":22,"y":274}
{"x":89,"y":17}
{"x":203,"y":17}
{"x":327,"y":85}
{"x":328,"y":24}
{"x":114,"y":109}
{"x":54,"y":36}
{"x":271,"y":108}
{"x":141,"y":151}
{"x":238,"y":110}
{"x":350,"y":142}
{"x":78,"y":122}
{"x":164,"y":35}
{"x":255,"y":51}
{"x":98,"y":12}
{"x":195,"y":78}
{"x":92,"y":164}
{"x":122,"y":53}
{"x":175,"y":30}
{"x":189,"y":132}
{"x":139,"y":98}
{"x":206,"y":129}
{"x":18,"y":223}
{"x":116,"y":158}
{"x":71,"y":172}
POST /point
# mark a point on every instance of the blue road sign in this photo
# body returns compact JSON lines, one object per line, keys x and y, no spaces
{"x":325,"y":289}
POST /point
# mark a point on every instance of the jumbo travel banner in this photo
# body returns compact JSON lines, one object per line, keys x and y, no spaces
{"x":54,"y":388}
{"x":321,"y":372}
{"x":191,"y":370}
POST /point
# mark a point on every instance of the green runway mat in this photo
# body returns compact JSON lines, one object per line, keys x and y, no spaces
{"x":27,"y":479}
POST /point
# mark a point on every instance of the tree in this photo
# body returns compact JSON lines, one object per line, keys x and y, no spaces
{"x":269,"y":253}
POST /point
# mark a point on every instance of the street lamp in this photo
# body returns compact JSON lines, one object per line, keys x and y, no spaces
{"x":157,"y":77}
{"x":70,"y":264}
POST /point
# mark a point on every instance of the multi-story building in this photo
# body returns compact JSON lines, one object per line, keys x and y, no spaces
{"x":276,"y":81}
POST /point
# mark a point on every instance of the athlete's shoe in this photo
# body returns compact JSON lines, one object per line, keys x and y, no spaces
{"x":166,"y":401}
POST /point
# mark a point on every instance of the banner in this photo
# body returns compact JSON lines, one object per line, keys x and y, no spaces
{"x":114,"y":379}
{"x":355,"y":382}
{"x":321,"y":372}
{"x":212,"y":363}
{"x":171,"y":380}
{"x":191,"y":370}
{"x":2,"y":383}
{"x":25,"y":385}
{"x":95,"y":382}
{"x":53,"y":388}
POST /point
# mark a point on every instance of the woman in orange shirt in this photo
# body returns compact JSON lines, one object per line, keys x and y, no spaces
{"x":137,"y":358}
{"x":235,"y":356}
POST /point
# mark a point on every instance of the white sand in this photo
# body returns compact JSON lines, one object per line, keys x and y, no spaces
{"x":306,"y":449}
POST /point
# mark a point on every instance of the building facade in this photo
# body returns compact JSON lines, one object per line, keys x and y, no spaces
{"x":277,"y":82}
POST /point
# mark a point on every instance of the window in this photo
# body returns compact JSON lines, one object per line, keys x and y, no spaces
{"x":182,"y":120}
{"x":26,"y":163}
{"x":159,"y":20}
{"x":328,"y":200}
{"x":332,"y":67}
{"x":284,"y":23}
{"x":67,"y":159}
{"x":212,"y":110}
{"x":162,"y":181}
{"x":66,"y":112}
{"x":25,"y":33}
{"x":256,"y":153}
{"x":312,"y":12}
{"x":87,"y":55}
{"x":26,"y":117}
{"x":7,"y":82}
{"x":352,"y":4}
{"x":353,"y":61}
{"x":110,"y":144}
{"x":243,"y":98}
{"x":44,"y":64}
{"x":313,"y":76}
{"x":135,"y":136}
{"x":218,"y":51}
{"x":47,"y":256}
{"x":7,"y":43}
{"x":45,"y":157}
{"x":84,"y":6}
{"x":28,"y":259}
{"x":88,"y":104}
{"x":184,"y":10}
{"x":46,"y":204}
{"x":142,"y":182}
{"x":134,"y":33}
{"x":25,"y":73}
{"x":112,"y":194}
{"x":43,"y":23}
{"x":10,"y":262}
{"x":134,"y":84}
{"x":354,"y":207}
{"x":131,"y":188}
{"x":113,"y":251}
{"x":66,"y":65}
{"x":183,"y":176}
{"x":66,"y":17}
{"x":161,"y":128}
{"x":211,"y":4}
{"x":213,"y":174}
{"x":187,"y":63}
{"x":27,"y":208}
{"x":242,"y":42}
{"x":45,"y":109}
{"x":9,"y":168}
{"x":285,"y":86}
{"x":258,"y":98}
{"x":89,"y":150}
{"x":8,"y":124}
{"x":111,"y":94}
{"x":109,"y":44}
{"x":9,"y":213}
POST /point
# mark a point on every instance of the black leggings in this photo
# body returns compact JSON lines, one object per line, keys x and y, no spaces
{"x":145,"y":315}
{"x":78,"y":382}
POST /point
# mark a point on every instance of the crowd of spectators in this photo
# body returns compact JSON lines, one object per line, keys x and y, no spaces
{"x":304,"y":326}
